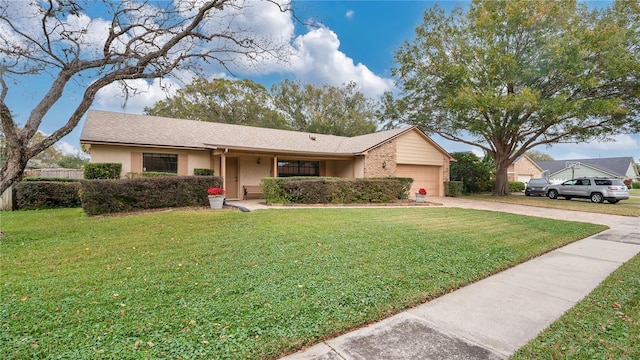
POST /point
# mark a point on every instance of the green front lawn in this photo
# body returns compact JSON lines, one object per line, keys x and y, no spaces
{"x":226,"y":284}
{"x":605,"y":325}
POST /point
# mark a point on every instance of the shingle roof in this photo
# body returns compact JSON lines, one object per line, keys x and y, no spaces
{"x":617,"y":166}
{"x":142,"y":130}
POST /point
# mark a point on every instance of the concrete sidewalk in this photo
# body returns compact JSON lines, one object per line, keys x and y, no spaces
{"x":492,"y":318}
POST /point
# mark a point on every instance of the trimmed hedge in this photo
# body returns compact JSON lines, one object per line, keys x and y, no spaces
{"x":131,"y":175}
{"x":323,"y":190}
{"x":50,"y":179}
{"x":516,"y":186}
{"x":203,"y":172}
{"x":453,"y":188}
{"x":32,"y":195}
{"x":102,"y":171}
{"x":124,"y":195}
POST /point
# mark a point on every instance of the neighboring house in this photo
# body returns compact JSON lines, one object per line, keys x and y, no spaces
{"x":524,"y":169}
{"x":243,"y":155}
{"x":619,"y":167}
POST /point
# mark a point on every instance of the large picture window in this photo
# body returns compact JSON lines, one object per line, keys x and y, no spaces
{"x":288,"y":168}
{"x":167,"y":163}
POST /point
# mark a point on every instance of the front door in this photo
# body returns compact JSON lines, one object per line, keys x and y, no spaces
{"x":231,"y":180}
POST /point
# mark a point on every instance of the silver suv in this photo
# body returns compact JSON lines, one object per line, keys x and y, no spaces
{"x":595,"y":188}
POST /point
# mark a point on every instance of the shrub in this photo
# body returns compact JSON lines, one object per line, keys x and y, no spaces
{"x":31,"y":195}
{"x":108,"y":196}
{"x":148,"y":174}
{"x":635,"y":185}
{"x":474,"y":172}
{"x":322,"y":190}
{"x":516,"y":186}
{"x":203,"y":172}
{"x":453,"y":188}
{"x":102,"y":171}
{"x":50,"y":179}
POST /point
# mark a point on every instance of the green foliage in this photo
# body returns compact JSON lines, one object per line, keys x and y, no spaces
{"x":516,"y":186}
{"x":203,"y":172}
{"x":322,"y":190}
{"x":241,"y":102}
{"x":289,"y":105}
{"x":30,"y":195}
{"x":148,"y":174}
{"x":453,"y":188}
{"x":635,"y":185}
{"x":604,"y":325}
{"x":471,"y":170}
{"x":124,"y":195}
{"x":72,"y":162}
{"x":232,"y":285}
{"x":49,"y":157}
{"x":102,"y":171}
{"x":536,"y":155}
{"x":49,"y":179}
{"x":509,"y":75}
{"x":343,"y":111}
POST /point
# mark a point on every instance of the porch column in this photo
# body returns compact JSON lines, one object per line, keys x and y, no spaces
{"x":223,"y":168}
{"x":275,"y":166}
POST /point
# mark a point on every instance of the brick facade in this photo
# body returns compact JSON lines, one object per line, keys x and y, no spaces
{"x":384,"y":154}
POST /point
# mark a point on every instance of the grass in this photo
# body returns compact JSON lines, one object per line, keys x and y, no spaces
{"x":226,"y":284}
{"x":634,"y":197}
{"x":623,"y":208}
{"x":604,"y":325}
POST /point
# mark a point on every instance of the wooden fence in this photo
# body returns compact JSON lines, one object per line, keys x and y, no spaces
{"x":6,"y":201}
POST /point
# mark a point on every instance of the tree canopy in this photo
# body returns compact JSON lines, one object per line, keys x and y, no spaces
{"x":342,"y":111}
{"x":507,"y":76}
{"x":241,"y":102}
{"x":135,"y":39}
{"x":537,"y":155}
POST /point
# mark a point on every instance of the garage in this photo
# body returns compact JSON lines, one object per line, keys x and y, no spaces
{"x":424,"y":176}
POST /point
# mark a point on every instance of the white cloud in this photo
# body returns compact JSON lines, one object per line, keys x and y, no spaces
{"x":318,"y":60}
{"x":350,"y":14}
{"x":144,"y":94}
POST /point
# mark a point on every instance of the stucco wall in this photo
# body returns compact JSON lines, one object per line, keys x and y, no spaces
{"x":339,"y":168}
{"x":251,"y":172}
{"x":122,"y":154}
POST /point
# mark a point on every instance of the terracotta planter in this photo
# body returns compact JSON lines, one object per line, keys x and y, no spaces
{"x":216,"y":201}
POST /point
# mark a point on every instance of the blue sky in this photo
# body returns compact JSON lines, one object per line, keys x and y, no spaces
{"x":356,"y":42}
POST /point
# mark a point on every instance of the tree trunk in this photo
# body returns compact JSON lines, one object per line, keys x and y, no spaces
{"x":501,"y":187}
{"x":11,"y":173}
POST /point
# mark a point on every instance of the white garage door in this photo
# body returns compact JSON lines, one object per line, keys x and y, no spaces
{"x":424,"y":176}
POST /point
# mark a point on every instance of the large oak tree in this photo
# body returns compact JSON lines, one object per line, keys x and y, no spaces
{"x":135,"y":39}
{"x":289,"y":105}
{"x":507,"y":76}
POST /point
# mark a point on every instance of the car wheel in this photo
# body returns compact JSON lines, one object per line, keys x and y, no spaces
{"x":596,"y":198}
{"x":553,"y":194}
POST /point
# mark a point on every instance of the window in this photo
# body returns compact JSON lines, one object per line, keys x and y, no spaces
{"x":167,"y":163}
{"x":288,"y":168}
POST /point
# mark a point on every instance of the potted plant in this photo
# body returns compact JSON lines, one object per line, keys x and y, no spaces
{"x":421,"y":195}
{"x":216,"y":197}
